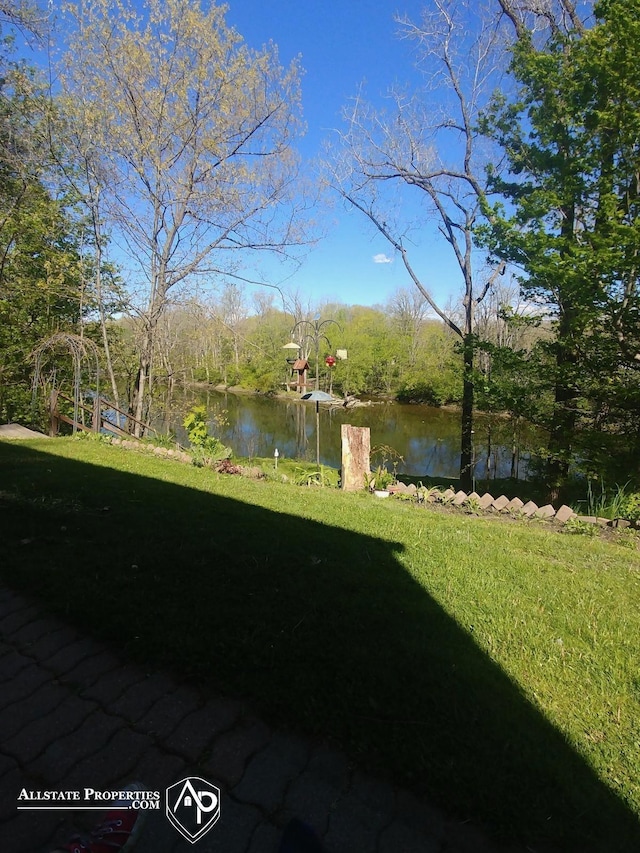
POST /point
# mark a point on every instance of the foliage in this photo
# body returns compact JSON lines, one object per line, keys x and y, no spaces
{"x":437,"y":390}
{"x":629,"y":507}
{"x":382,"y":476}
{"x":430,"y":369}
{"x":262,"y":367}
{"x":323,"y":476}
{"x":373,"y":352}
{"x":202,"y":342}
{"x":90,"y":435}
{"x":194,"y":135}
{"x":24,"y":15}
{"x":570,"y":221}
{"x":41,"y":268}
{"x":381,"y":479}
{"x":167,"y":441}
{"x":205,"y":448}
{"x":389,"y":458}
{"x":582,"y":528}
{"x":606,"y":503}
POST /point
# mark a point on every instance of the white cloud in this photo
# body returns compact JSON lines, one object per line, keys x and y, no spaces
{"x":382,"y":259}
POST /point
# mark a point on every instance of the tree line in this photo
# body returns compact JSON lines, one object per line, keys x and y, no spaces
{"x":398,"y":350}
{"x":163,"y":155}
{"x":390,"y":351}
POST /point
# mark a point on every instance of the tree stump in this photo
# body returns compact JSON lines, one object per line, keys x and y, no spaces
{"x":356,"y":464}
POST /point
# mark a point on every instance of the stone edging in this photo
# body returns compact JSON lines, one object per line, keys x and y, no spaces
{"x":515,"y":506}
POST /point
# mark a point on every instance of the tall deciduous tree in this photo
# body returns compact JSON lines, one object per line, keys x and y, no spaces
{"x":194,"y":131}
{"x":79,"y":161}
{"x":408,"y":310}
{"x":40,"y":266}
{"x":426,"y":151}
{"x":573,"y":144}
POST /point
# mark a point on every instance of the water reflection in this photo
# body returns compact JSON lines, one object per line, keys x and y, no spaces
{"x":427,"y":438}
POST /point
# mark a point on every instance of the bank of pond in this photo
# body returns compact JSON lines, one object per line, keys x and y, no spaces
{"x":425,"y":440}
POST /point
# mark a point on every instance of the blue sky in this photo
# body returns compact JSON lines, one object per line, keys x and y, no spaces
{"x":343,"y":44}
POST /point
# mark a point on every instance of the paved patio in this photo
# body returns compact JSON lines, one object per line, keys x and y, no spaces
{"x":17,"y":431}
{"x":73,"y":715}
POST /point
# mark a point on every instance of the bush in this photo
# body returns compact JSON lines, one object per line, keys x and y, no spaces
{"x":629,"y":507}
{"x":205,"y":449}
{"x":432,"y":391}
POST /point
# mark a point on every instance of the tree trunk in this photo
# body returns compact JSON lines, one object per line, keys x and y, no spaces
{"x":143,"y":380}
{"x":488,"y":467}
{"x":97,"y":242}
{"x":514,"y":453}
{"x":563,"y":422}
{"x":466,"y":448}
{"x":565,"y":416}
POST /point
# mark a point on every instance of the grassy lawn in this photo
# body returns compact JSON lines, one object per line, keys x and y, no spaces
{"x":492,"y":665}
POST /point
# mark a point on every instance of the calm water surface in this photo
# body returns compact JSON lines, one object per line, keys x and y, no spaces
{"x":427,"y":438}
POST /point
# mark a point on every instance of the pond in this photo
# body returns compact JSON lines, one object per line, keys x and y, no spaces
{"x":427,"y":438}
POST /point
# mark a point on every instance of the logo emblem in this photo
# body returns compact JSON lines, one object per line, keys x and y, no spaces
{"x":193,"y":807}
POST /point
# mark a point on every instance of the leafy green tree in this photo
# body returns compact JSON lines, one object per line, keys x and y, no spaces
{"x":194,"y":131}
{"x":436,"y":376}
{"x":41,"y":268}
{"x":571,"y":222}
{"x":372,"y":364}
{"x":39,"y":291}
{"x":264,"y":368}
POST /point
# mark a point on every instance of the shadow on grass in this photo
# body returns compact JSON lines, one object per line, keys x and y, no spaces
{"x":320,"y":627}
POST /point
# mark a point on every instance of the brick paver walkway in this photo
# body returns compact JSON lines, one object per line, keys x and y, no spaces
{"x":73,"y":715}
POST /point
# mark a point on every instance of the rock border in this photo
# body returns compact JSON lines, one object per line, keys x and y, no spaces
{"x":486,"y":503}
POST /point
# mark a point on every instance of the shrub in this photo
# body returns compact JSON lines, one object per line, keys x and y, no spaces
{"x":629,"y":507}
{"x":205,"y":448}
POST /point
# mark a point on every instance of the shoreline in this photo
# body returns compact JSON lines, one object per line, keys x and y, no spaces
{"x":354,"y":402}
{"x":291,"y":396}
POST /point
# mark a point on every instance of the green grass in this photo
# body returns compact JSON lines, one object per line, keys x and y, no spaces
{"x":493,"y":666}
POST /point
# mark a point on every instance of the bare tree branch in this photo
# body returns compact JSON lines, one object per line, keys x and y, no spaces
{"x":195,"y":132}
{"x":429,"y":142}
